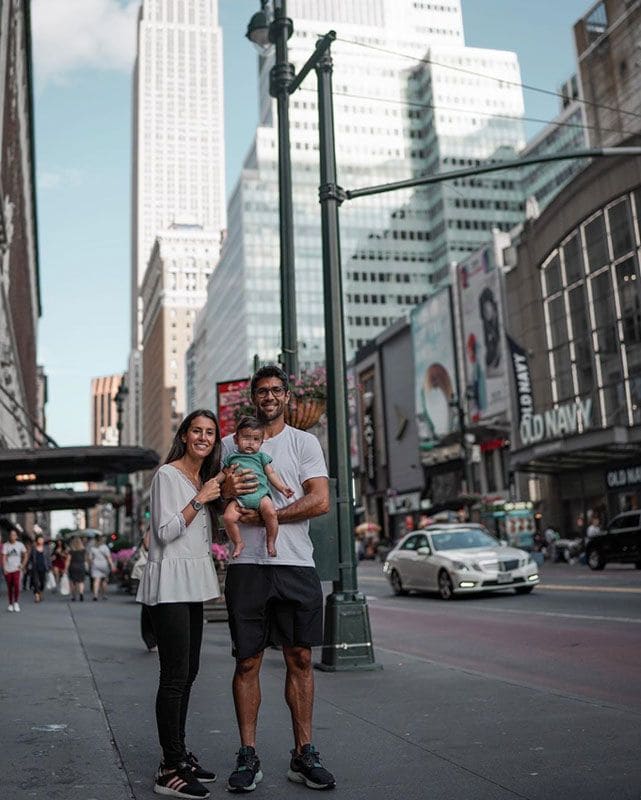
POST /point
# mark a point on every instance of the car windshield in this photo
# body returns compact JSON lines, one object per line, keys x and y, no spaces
{"x":462,"y":539}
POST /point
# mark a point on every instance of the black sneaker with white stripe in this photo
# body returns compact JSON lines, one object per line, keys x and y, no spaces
{"x":305,"y":767}
{"x":200,"y":773}
{"x":180,"y":782}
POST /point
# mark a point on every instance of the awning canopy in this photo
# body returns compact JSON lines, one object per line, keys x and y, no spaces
{"x":55,"y":500}
{"x":596,"y":448}
{"x":21,"y":468}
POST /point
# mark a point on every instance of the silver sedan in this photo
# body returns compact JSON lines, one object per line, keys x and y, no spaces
{"x":458,"y":559}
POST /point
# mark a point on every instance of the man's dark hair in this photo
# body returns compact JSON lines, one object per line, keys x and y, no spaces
{"x":251,"y":424}
{"x":269,"y":371}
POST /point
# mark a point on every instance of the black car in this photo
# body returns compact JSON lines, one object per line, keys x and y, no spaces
{"x":620,"y":543}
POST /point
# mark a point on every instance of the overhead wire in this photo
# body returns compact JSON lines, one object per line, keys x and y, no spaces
{"x":506,"y":81}
{"x":494,"y":115}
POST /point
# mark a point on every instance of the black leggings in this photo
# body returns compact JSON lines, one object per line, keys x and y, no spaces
{"x":179,"y":632}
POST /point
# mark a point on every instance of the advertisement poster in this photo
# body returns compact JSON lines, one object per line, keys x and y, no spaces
{"x":228,"y":395}
{"x":435,"y":367}
{"x":486,"y":369}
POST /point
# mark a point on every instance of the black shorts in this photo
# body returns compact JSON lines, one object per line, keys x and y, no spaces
{"x":279,"y":605}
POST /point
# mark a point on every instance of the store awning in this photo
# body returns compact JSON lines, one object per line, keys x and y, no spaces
{"x":598,"y":448}
{"x":21,"y":468}
{"x":55,"y":500}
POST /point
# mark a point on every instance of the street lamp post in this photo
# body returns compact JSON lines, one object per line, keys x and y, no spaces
{"x":119,"y":400}
{"x":262,"y":34}
{"x":347,"y":641}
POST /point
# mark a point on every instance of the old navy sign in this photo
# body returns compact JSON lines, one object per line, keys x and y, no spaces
{"x":564,"y":420}
{"x":623,"y":477}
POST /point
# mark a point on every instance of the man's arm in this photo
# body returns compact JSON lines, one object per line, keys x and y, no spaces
{"x":314,"y":503}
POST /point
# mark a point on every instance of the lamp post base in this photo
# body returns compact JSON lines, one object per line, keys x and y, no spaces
{"x":347,"y":641}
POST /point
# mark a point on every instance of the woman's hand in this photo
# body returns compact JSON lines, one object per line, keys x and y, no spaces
{"x":209,"y":492}
{"x":238,"y":482}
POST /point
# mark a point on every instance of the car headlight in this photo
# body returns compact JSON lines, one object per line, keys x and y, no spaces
{"x":460,"y":566}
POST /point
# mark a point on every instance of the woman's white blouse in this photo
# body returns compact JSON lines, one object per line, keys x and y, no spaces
{"x":180,"y":568}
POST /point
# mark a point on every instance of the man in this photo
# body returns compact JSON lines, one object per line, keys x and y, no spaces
{"x":277,"y":600}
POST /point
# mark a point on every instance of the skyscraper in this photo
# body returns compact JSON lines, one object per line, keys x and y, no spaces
{"x":178,"y":133}
{"x":380,"y":117}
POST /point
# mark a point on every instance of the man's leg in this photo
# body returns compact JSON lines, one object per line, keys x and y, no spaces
{"x":299,"y":692}
{"x":246,"y":689}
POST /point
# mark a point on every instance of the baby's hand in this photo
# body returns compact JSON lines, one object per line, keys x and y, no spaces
{"x":288,"y":492}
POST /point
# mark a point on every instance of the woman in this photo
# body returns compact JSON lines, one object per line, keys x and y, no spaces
{"x":77,"y":567}
{"x":40,"y":564}
{"x":14,"y":557}
{"x":101,"y":567}
{"x":59,"y":560}
{"x":178,"y":577}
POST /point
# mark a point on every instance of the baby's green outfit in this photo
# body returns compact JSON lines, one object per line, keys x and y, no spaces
{"x":256,"y":462}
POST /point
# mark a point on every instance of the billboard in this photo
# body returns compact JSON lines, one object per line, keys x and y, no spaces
{"x":486,"y":369}
{"x":434,"y":367}
{"x":228,"y":397}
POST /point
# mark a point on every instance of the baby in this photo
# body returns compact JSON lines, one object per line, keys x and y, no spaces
{"x":249,"y":439}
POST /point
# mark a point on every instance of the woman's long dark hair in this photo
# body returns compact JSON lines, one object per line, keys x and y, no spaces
{"x":211,"y":464}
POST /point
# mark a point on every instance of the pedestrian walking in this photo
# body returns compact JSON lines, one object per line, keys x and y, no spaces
{"x":277,"y":600}
{"x":14,"y":557}
{"x":178,"y":577}
{"x":26,"y":574}
{"x":59,"y":560}
{"x":77,"y":568}
{"x":39,"y":567}
{"x":101,"y":566}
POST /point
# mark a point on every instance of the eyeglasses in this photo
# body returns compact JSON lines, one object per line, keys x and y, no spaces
{"x":277,"y":391}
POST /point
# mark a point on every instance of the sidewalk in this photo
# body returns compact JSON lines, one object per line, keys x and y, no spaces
{"x":77,"y":689}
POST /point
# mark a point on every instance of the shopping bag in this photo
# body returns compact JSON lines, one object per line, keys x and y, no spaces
{"x":51,"y":581}
{"x":65,"y":587}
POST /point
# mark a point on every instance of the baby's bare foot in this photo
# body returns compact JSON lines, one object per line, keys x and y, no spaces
{"x":238,"y":549}
{"x":271,"y":550}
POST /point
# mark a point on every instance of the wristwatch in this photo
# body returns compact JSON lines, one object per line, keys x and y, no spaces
{"x":195,"y":504}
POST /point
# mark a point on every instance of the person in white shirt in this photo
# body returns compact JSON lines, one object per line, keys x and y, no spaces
{"x":277,"y":599}
{"x":14,"y":557}
{"x":594,"y":529}
{"x":178,"y":577}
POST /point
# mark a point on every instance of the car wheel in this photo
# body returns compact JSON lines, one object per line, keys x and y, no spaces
{"x":595,"y":560}
{"x":524,"y":589}
{"x":445,"y":587}
{"x":637,"y":565}
{"x":397,"y":583}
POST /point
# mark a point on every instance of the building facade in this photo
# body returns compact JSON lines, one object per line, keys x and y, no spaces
{"x":104,"y":414}
{"x":606,"y":40}
{"x":178,"y":132}
{"x":574,"y":305}
{"x":173,"y":291}
{"x":20,"y":303}
{"x":566,"y":133}
{"x":385,"y":240}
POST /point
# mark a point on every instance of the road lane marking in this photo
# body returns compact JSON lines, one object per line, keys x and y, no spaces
{"x":519,"y":611}
{"x":543,"y":585}
{"x":586,"y":588}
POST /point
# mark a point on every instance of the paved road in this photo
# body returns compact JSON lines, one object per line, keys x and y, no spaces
{"x":454,"y":713}
{"x":578,"y":633}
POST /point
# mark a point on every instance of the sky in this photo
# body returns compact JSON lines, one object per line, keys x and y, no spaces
{"x":83,"y":54}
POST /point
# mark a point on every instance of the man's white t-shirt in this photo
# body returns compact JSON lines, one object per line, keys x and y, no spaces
{"x":297,"y":457}
{"x":13,"y":552}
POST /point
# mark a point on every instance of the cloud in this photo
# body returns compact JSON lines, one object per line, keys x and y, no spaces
{"x":71,"y":35}
{"x":53,"y":179}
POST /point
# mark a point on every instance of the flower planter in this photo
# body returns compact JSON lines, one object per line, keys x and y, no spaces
{"x":304,"y":414}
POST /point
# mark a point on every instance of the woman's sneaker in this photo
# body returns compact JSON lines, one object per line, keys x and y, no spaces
{"x":179,"y":782}
{"x":305,"y":767}
{"x":200,"y":773}
{"x":247,"y":773}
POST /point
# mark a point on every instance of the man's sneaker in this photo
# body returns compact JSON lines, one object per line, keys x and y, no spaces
{"x":305,"y":767}
{"x":200,"y":773}
{"x":16,"y":607}
{"x":247,"y":773}
{"x":179,"y":782}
